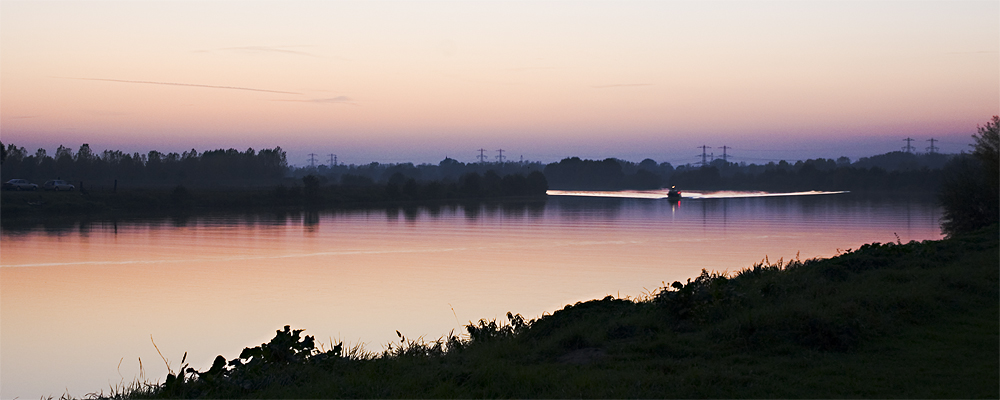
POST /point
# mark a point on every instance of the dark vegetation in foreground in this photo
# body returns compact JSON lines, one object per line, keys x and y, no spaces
{"x":970,"y":194}
{"x":885,"y":320}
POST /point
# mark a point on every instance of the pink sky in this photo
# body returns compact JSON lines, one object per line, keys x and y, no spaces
{"x":417,"y":81}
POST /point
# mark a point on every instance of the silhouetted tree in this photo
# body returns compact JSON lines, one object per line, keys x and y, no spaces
{"x":351,"y":180}
{"x":470,"y":184}
{"x":576,"y":174}
{"x":536,"y":183}
{"x":969,"y":194}
{"x":310,"y":188}
{"x":987,"y":150}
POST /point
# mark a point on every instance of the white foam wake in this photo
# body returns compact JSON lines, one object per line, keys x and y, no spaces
{"x":692,"y":194}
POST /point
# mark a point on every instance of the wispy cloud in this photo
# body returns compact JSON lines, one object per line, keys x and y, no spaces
{"x":263,"y":49}
{"x":185,"y":84}
{"x":327,"y":100}
{"x":973,"y":52}
{"x":106,"y":113}
{"x":621,"y":85}
{"x":528,"y":68}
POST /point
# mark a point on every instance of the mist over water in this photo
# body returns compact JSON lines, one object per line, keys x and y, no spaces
{"x":79,"y":297}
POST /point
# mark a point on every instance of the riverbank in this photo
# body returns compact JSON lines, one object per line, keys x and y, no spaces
{"x":885,"y":320}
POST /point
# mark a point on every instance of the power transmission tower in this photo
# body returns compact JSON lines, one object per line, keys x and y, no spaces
{"x":933,"y":149}
{"x":500,"y":156}
{"x":724,"y":156}
{"x":482,"y":156}
{"x":522,"y":160}
{"x":704,"y":155}
{"x":908,"y":148}
{"x":333,"y":160}
{"x":312,"y":160}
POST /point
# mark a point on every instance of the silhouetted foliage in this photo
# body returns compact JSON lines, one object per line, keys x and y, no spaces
{"x":350,"y":180}
{"x":969,"y":194}
{"x":896,"y":171}
{"x":987,"y":150}
{"x":180,"y":197}
{"x":906,"y":172}
{"x":447,"y":171}
{"x":610,"y":174}
{"x":310,"y":189}
{"x":213,"y":168}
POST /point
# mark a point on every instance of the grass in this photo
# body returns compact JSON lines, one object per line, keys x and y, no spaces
{"x":885,"y":320}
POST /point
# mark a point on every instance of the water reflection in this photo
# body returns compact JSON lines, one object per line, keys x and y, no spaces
{"x":711,"y":213}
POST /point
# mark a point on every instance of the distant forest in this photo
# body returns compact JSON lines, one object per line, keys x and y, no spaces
{"x":895,"y":171}
{"x":226,"y":168}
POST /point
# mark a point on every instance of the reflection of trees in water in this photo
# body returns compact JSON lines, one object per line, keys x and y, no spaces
{"x":59,"y":227}
{"x":534,"y":209}
{"x":180,"y":221}
{"x":310,"y":218}
{"x":841,"y":211}
{"x":471,"y":211}
{"x":492,"y":210}
{"x":433,"y":210}
{"x":410,"y":213}
{"x":392,"y":214}
{"x":575,"y":208}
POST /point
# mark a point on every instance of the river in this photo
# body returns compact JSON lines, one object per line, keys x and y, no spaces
{"x":81,"y":303}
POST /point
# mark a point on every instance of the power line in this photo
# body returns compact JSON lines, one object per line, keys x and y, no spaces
{"x":704,"y":155}
{"x":932,"y":149}
{"x":724,"y":157}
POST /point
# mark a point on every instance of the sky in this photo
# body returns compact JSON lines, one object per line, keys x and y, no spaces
{"x":418,"y":81}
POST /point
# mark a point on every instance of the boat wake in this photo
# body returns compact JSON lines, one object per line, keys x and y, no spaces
{"x":687,"y":194}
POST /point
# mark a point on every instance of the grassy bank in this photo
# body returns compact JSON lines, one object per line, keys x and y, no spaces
{"x":886,"y":320}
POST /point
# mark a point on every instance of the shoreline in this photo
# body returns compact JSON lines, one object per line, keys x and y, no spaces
{"x":848,"y":326}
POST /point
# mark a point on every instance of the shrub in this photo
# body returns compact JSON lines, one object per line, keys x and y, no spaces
{"x":970,"y":194}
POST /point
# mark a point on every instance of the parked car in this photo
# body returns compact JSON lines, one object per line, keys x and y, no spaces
{"x":19,"y":184}
{"x":58,"y":185}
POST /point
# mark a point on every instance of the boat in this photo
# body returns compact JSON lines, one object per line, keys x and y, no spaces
{"x":674,"y":194}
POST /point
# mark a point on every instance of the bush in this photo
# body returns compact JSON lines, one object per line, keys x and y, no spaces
{"x":970,"y":193}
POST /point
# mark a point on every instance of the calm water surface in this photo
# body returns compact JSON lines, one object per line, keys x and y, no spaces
{"x":79,"y":303}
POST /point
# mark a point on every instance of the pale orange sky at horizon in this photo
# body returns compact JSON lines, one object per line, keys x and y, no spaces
{"x":415,"y":81}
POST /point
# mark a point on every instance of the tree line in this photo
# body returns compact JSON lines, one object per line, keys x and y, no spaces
{"x":448,"y":170}
{"x":894,"y":171}
{"x":191,"y":168}
{"x":355,"y":189}
{"x":817,"y":174}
